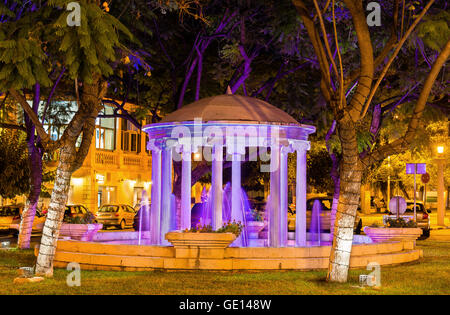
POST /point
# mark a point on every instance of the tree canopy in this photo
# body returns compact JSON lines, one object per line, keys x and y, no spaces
{"x":369,"y":90}
{"x":15,"y":179}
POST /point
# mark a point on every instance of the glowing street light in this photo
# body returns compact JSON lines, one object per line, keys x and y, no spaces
{"x":197,"y":156}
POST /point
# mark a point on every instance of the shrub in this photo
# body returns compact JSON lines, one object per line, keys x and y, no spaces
{"x":229,"y":227}
{"x":400,"y":223}
{"x":88,"y":218}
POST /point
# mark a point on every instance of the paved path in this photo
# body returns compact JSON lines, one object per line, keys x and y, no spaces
{"x":440,"y":235}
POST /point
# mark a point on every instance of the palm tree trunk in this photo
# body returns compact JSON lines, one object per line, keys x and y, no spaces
{"x":334,"y":206}
{"x":50,"y":233}
{"x":69,"y":161}
{"x":35,"y":162}
{"x":350,"y":183}
{"x":26,"y":224}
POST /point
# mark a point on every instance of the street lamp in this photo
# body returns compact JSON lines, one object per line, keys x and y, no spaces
{"x":389,"y":183}
{"x":440,"y":191}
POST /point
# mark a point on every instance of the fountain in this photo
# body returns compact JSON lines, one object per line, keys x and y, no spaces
{"x":225,"y":125}
{"x":202,"y":213}
{"x":315,"y":226}
{"x":240,"y":216}
{"x":144,"y":217}
{"x":206,"y":209}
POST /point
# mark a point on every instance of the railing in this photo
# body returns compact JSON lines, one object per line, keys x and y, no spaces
{"x":132,"y":160}
{"x":105,"y":158}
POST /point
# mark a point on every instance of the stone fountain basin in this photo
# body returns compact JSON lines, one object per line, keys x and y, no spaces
{"x":106,"y":256}
{"x":383,"y":234}
{"x":82,"y":232}
{"x":254,"y":228}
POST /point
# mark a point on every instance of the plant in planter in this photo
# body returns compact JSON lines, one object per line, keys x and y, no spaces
{"x":199,"y":228}
{"x":88,"y":218}
{"x":394,"y":230}
{"x":80,"y":228}
{"x":255,"y":224}
{"x":231,"y":227}
{"x":202,"y":241}
{"x":400,"y":223}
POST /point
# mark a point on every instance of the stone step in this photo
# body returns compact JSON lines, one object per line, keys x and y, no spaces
{"x":308,"y":252}
{"x":110,"y":260}
{"x":115,"y":249}
{"x":118,"y":262}
{"x":230,"y":252}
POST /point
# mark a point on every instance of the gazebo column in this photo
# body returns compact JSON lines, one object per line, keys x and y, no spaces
{"x":235,"y":186}
{"x":186,"y":187}
{"x":237,"y":214}
{"x":216,"y":186}
{"x":168,"y":215}
{"x":155,"y":213}
{"x":275,"y":211}
{"x":284,"y":195}
{"x":300,"y":193}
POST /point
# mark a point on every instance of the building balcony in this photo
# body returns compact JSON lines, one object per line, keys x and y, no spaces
{"x":106,"y":158}
{"x":99,"y":159}
{"x":118,"y":159}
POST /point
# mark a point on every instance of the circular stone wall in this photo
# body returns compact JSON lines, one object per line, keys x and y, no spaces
{"x":100,"y":256}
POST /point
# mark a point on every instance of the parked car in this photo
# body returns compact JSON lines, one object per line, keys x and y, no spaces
{"x":73,"y":211}
{"x":423,"y":218}
{"x":145,"y":216}
{"x":11,"y":215}
{"x":120,"y":216}
{"x":325,"y":215}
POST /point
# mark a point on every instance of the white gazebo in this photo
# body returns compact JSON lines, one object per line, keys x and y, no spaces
{"x":228,"y":124}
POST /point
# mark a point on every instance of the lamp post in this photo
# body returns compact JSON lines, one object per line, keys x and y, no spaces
{"x":440,"y":190}
{"x":389,"y":184}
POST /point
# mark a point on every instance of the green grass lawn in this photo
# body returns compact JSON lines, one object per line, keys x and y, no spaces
{"x":431,"y":275}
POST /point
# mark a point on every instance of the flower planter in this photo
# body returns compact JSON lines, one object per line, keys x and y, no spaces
{"x":81,"y":232}
{"x":200,"y":245}
{"x":253,"y":228}
{"x":383,"y":234}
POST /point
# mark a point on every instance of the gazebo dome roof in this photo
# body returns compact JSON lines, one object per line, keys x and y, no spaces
{"x":231,"y":108}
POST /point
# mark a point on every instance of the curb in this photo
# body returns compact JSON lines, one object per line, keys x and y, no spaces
{"x":440,"y":228}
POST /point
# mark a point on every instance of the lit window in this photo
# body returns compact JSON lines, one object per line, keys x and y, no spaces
{"x":105,"y":133}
